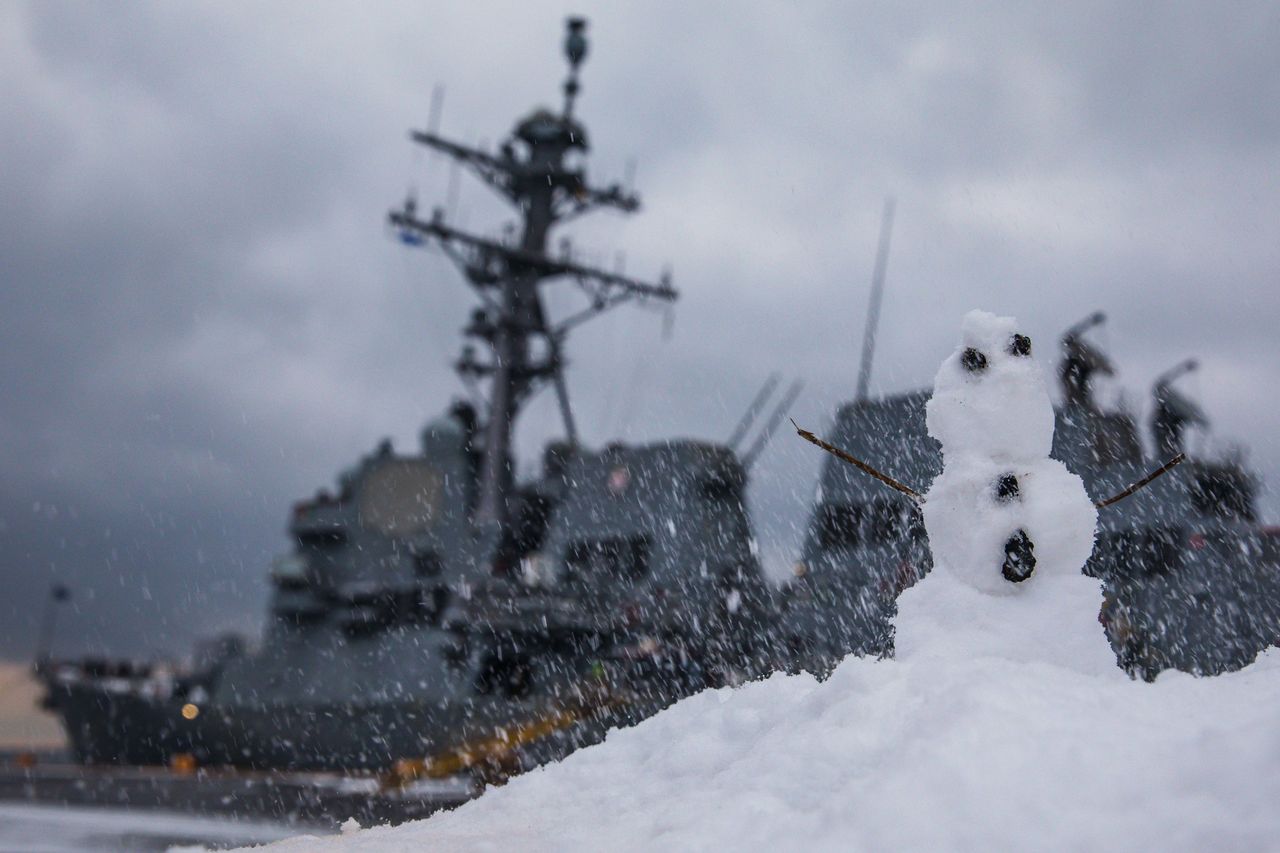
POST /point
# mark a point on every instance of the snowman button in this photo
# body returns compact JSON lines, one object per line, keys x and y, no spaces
{"x":1019,"y":557}
{"x":1007,"y":488}
{"x":973,"y":361}
{"x":1019,"y":345}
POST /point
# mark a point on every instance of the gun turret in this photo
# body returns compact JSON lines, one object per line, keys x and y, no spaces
{"x":1174,"y":412}
{"x":1080,"y":361}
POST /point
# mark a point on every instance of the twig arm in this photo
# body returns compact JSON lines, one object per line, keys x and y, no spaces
{"x":1162,"y":470}
{"x":858,"y":463}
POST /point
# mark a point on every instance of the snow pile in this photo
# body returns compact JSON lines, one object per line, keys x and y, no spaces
{"x":945,"y":752}
{"x":1002,"y":724}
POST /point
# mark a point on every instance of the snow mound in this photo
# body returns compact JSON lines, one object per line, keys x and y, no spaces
{"x":926,"y":752}
{"x":1053,"y":621}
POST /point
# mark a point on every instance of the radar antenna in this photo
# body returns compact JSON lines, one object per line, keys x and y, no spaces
{"x":1080,"y":361}
{"x":1173,"y":410}
{"x":529,"y":171}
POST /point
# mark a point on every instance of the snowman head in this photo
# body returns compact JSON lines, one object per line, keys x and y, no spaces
{"x":989,"y":397}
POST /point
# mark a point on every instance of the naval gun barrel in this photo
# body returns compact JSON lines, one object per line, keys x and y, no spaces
{"x":1080,"y":361}
{"x":1164,"y":380}
{"x":1173,"y":411}
{"x":1097,"y":318}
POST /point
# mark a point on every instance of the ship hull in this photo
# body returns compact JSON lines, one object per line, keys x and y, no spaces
{"x":106,"y":726}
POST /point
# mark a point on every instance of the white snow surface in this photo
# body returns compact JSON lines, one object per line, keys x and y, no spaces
{"x":1053,"y":621}
{"x":940,"y":749}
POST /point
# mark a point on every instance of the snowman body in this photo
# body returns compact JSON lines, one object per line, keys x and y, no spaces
{"x":1010,"y":528}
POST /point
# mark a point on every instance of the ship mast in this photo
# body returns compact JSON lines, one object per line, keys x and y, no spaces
{"x":530,"y":173}
{"x":873,"y":309}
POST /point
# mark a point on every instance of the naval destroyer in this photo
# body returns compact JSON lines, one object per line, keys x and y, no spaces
{"x":433,"y":598}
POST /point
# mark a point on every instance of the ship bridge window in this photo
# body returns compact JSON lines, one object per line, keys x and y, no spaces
{"x":300,"y":615}
{"x":367,"y":613}
{"x":322,"y":540}
{"x":290,"y":572}
{"x":838,"y":526}
{"x":617,"y":558}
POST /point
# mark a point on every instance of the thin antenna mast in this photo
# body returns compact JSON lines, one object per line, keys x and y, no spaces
{"x":437,"y":106}
{"x":877,"y":292}
{"x":753,"y":410}
{"x":775,"y":417}
{"x":530,"y":171}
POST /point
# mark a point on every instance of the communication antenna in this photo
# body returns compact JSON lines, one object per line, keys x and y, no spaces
{"x":518,"y":347}
{"x":775,"y":417}
{"x":437,"y":106}
{"x":58,"y":594}
{"x":753,"y":410}
{"x":877,"y":292}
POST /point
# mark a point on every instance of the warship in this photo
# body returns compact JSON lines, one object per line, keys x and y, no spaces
{"x":434,"y":598}
{"x":1191,"y":579}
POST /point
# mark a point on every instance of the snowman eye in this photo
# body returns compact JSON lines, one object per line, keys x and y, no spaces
{"x":973,"y":361}
{"x":1019,"y":345}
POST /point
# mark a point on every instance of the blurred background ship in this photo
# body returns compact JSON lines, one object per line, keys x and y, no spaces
{"x":437,"y":615}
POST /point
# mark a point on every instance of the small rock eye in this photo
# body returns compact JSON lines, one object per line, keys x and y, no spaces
{"x":1019,"y":345}
{"x":973,"y":361}
{"x":1007,"y":488}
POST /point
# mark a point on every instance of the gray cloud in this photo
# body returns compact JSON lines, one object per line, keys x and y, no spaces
{"x":203,"y":318}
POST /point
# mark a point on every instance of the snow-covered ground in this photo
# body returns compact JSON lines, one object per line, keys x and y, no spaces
{"x":46,"y":829}
{"x":939,"y":752}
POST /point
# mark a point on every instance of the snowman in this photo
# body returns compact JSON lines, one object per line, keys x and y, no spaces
{"x":1010,"y":528}
{"x":1002,"y":514}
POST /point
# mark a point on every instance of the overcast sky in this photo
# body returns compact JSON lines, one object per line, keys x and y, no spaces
{"x":203,"y":316}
